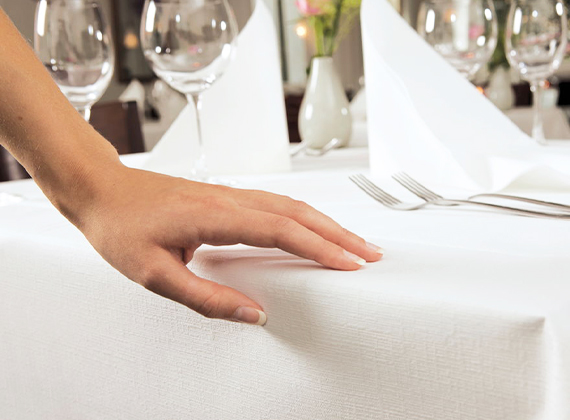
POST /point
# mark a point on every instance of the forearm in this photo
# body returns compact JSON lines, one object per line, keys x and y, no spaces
{"x":63,"y":153}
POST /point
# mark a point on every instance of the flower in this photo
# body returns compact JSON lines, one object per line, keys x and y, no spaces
{"x":475,"y":31}
{"x":307,"y":8}
{"x":330,"y":20}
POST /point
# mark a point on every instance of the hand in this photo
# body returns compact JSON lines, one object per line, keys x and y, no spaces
{"x":148,"y":227}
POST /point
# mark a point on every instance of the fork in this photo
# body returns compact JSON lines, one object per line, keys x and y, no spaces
{"x":404,"y":178}
{"x":392,"y":202}
{"x":431,"y":197}
{"x":558,"y":206}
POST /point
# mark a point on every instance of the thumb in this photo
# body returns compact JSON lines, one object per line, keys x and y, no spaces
{"x":170,"y":278}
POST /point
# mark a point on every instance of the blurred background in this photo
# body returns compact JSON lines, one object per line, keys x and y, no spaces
{"x":296,"y":49}
{"x":125,"y":19}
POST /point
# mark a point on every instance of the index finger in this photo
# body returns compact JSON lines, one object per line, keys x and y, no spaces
{"x":268,"y":230}
{"x":310,"y":218}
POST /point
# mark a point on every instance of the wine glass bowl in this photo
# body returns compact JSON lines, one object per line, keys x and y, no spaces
{"x":189,"y":54}
{"x":535,"y":42}
{"x":73,"y":41}
{"x":189,"y":44}
{"x":464,"y":32}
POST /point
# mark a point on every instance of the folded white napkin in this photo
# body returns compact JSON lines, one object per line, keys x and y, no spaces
{"x":168,"y":102}
{"x":426,"y":119}
{"x":134,"y":92}
{"x":243,"y":114}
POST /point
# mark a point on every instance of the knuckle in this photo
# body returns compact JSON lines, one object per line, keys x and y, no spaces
{"x":330,"y":255}
{"x":210,"y":307}
{"x":283,"y":224}
{"x":282,"y":231}
{"x":351,"y":237}
{"x":325,"y":249}
{"x":151,"y":276}
{"x":300,"y":207}
{"x":214,"y":203}
{"x":345,"y":232}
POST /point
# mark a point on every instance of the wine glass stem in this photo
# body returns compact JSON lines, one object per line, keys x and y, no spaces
{"x":200,"y":170}
{"x":537,"y":129}
{"x":85,"y":112}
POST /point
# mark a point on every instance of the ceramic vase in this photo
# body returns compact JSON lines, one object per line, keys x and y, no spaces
{"x":324,"y":113}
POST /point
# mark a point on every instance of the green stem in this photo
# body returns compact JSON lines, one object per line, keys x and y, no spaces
{"x":336,"y":25}
{"x":319,"y":36}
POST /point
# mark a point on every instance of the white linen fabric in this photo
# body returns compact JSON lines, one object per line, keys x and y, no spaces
{"x":465,"y":318}
{"x":135,"y":92}
{"x":426,"y":119}
{"x":243,"y":113}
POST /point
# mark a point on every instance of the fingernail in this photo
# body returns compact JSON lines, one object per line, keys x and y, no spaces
{"x":375,"y":248}
{"x":354,"y":258}
{"x":249,"y":316}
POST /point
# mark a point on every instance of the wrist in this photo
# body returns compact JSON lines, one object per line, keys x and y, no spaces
{"x":76,"y":178}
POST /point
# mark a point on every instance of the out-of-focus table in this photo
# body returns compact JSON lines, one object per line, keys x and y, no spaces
{"x":465,"y":318}
{"x":555,"y":121}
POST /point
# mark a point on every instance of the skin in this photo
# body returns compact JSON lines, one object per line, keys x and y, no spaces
{"x":148,"y":225}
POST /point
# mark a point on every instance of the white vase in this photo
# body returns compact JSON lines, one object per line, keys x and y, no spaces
{"x":324,"y":113}
{"x":500,"y":91}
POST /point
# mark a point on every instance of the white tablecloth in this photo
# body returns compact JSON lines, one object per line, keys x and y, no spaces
{"x":465,"y":318}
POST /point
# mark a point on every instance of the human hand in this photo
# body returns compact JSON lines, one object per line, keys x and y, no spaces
{"x":148,"y":227}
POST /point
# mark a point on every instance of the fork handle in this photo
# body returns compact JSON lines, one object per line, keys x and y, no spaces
{"x":507,"y":209}
{"x":559,"y":206}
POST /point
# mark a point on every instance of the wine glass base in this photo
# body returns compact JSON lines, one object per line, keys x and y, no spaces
{"x":538,"y":136}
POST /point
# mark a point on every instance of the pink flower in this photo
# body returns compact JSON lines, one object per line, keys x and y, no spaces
{"x":476,"y":31}
{"x":307,"y":8}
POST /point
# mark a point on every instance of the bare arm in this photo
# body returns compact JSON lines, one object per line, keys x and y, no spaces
{"x":144,"y":224}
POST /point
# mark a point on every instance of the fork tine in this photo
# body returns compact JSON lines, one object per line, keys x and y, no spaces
{"x":427,"y":191}
{"x":378,"y":190}
{"x":410,"y":187}
{"x":376,"y":193}
{"x":368,"y":190}
{"x":406,"y":181}
{"x":418,"y":185}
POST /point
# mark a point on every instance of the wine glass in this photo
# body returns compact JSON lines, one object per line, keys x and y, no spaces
{"x":189,"y":44}
{"x":464,"y":32}
{"x":73,"y":41}
{"x":535,"y":42}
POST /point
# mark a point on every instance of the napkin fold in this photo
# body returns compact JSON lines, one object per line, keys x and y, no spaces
{"x":426,"y":119}
{"x":168,"y":102}
{"x":134,"y":92}
{"x":243,"y":114}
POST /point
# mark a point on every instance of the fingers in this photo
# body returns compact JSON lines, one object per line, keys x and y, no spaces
{"x":312,"y":219}
{"x":268,"y":230}
{"x":167,"y":276}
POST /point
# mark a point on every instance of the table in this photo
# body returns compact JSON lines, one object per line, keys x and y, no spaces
{"x":465,"y":318}
{"x":555,"y":121}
